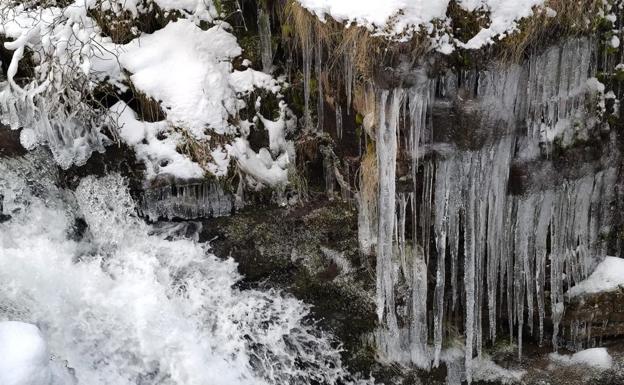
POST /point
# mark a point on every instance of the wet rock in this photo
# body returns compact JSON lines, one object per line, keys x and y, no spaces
{"x":10,"y":143}
{"x":310,"y":251}
{"x":596,"y":316}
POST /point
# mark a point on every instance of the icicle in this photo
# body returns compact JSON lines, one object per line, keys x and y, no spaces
{"x":320,"y":111}
{"x":328,"y":170}
{"x":469,"y":278}
{"x":307,"y":53}
{"x":441,"y":222}
{"x":339,"y":122}
{"x":386,"y":160}
{"x":266,"y":45}
{"x":188,"y":201}
{"x":348,"y":68}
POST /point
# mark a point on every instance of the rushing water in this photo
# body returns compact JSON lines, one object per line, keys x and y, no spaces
{"x":124,"y":303}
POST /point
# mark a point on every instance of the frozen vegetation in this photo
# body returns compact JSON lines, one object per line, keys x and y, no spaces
{"x":402,"y":18}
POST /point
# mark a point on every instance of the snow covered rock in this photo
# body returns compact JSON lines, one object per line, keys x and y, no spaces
{"x":598,"y":301}
{"x":598,"y":358}
{"x":24,"y":357}
{"x":608,"y":276}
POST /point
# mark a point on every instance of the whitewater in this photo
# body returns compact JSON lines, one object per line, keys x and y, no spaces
{"x":122,"y":302}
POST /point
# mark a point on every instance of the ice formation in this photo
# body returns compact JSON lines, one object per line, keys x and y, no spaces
{"x":189,"y":200}
{"x":124,"y":303}
{"x":491,"y":250}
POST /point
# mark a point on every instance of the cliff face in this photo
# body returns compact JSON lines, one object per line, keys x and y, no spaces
{"x":429,"y":206}
{"x":492,"y":188}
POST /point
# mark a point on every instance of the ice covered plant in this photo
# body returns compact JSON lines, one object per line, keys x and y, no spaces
{"x":65,"y":55}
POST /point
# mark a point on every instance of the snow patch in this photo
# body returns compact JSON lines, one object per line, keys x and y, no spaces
{"x":24,"y":357}
{"x":187,"y":69}
{"x":598,"y":358}
{"x":155,"y":144}
{"x":608,"y":276}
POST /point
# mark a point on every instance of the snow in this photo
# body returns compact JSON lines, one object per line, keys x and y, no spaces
{"x":401,"y":18}
{"x":481,"y":369}
{"x":260,"y":165}
{"x":158,"y":154}
{"x":615,"y":41}
{"x":187,"y":69}
{"x":486,"y":370}
{"x":608,"y":276}
{"x":376,"y":15}
{"x":24,"y":357}
{"x":598,"y":358}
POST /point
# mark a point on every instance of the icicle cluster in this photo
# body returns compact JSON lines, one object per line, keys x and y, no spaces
{"x":494,"y":255}
{"x":188,"y":201}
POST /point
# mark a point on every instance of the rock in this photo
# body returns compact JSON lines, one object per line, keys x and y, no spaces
{"x":10,"y":142}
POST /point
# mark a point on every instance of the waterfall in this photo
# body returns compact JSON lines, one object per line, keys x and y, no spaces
{"x":121,"y":302}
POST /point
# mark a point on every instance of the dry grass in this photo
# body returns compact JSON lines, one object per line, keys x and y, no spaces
{"x":369,"y":54}
{"x":148,"y":109}
{"x":572,"y":19}
{"x":200,"y":151}
{"x":369,"y":178}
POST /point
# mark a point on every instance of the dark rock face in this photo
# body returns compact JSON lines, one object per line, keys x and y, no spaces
{"x":10,"y":143}
{"x":595,"y":317}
